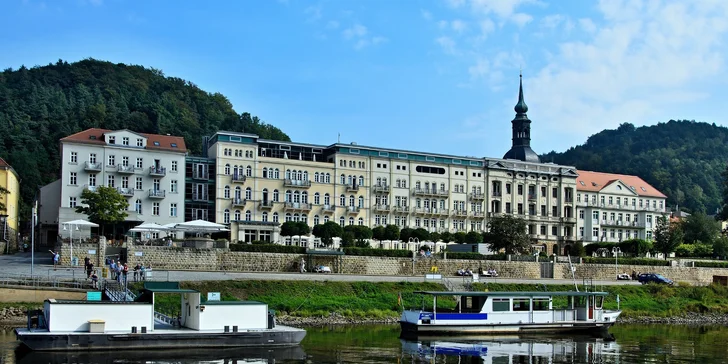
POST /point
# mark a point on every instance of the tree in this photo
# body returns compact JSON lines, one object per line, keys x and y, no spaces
{"x":720,"y":247}
{"x":667,"y":236}
{"x":359,"y":235}
{"x":435,"y":236}
{"x":421,"y":234}
{"x":723,"y":215}
{"x":636,"y":247}
{"x":391,"y":232}
{"x":378,"y":233}
{"x":103,"y":206}
{"x":3,"y":192}
{"x":460,"y":237}
{"x":700,"y":227}
{"x":446,"y":237}
{"x":508,"y":232}
{"x":326,"y":232}
{"x":578,"y":249}
{"x":474,"y":237}
{"x":347,"y":238}
{"x":294,"y":228}
{"x":405,"y":234}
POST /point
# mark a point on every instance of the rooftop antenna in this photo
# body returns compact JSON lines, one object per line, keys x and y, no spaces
{"x":339,"y":140}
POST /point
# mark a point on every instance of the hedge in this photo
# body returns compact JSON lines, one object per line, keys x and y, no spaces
{"x":711,"y":264}
{"x":628,"y":261}
{"x":475,"y":256}
{"x":267,"y":248}
{"x":378,"y":252}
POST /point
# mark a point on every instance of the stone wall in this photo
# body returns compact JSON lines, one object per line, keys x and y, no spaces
{"x":34,"y":294}
{"x":606,"y":272}
{"x":80,"y":251}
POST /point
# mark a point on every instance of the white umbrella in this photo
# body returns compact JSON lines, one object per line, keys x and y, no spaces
{"x":77,"y":223}
{"x":149,"y":226}
{"x":200,"y":226}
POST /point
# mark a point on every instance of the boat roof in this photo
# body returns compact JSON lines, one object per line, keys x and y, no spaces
{"x":513,"y":293}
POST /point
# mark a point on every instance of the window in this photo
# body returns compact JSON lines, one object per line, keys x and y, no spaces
{"x":520,"y":190}
{"x":248,"y":193}
{"x":92,"y":158}
{"x":73,"y":179}
{"x":316,"y":220}
{"x":155,"y":209}
{"x":226,"y":216}
{"x":275,"y":217}
{"x":327,"y":199}
{"x":249,"y":171}
{"x":92,"y":180}
{"x":74,"y":157}
{"x":173,"y":210}
{"x":140,"y":163}
{"x":227,"y":169}
{"x":248,"y":215}
{"x":317,"y":198}
{"x":125,"y":161}
{"x":226,"y":192}
{"x":110,"y":181}
{"x":508,"y":188}
{"x":342,"y":200}
{"x":174,"y":166}
{"x":156,"y":144}
{"x":72,"y":202}
{"x":276,"y":196}
{"x":554,"y":192}
{"x":501,"y":304}
{"x":173,"y":186}
{"x":236,"y":215}
{"x":540,"y":304}
{"x":138,"y":206}
{"x":341,"y":221}
{"x":521,"y":304}
{"x":111,"y":161}
{"x":125,"y":141}
{"x":138,"y":184}
{"x":111,"y":139}
{"x":140,"y":142}
{"x":265,"y":216}
{"x":124,"y":182}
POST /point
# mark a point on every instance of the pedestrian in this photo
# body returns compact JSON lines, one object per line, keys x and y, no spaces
{"x":137,"y":268}
{"x":125,"y":271}
{"x":112,"y":268}
{"x":86,"y":262}
{"x":89,"y":269}
{"x":56,"y":258}
{"x":94,"y":279}
{"x":303,"y":265}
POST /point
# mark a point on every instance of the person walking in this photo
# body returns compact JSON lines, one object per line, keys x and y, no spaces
{"x":56,"y":258}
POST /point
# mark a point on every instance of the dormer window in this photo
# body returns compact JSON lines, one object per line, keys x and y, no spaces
{"x":156,"y":144}
{"x":594,"y":184}
{"x":582,"y":183}
{"x":174,"y":145}
{"x":111,"y":139}
{"x":643,"y":189}
{"x":140,"y":142}
{"x":125,"y":141}
{"x":619,"y":187}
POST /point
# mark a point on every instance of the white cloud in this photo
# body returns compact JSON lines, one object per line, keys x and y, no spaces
{"x":426,"y":14}
{"x":587,"y":25}
{"x":552,"y":21}
{"x":479,"y":69}
{"x":442,"y":24}
{"x":313,"y":13}
{"x":356,"y":30}
{"x":332,"y":24}
{"x":447,"y":44}
{"x":458,"y":25}
{"x":521,"y":19}
{"x":359,"y":34}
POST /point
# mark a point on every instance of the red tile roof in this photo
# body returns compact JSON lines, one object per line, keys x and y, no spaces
{"x":96,"y":136}
{"x":595,"y":181}
{"x":4,"y":164}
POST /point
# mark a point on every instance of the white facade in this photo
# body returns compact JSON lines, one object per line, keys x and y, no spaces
{"x":148,"y":169}
{"x":75,"y":315}
{"x":614,"y":208}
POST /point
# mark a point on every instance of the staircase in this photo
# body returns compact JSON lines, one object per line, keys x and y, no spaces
{"x":116,"y":292}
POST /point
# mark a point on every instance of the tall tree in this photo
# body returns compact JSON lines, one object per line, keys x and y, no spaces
{"x":667,"y":236}
{"x":699,"y":227}
{"x":508,"y":232}
{"x":326,"y":232}
{"x":723,"y":215}
{"x":103,"y":206}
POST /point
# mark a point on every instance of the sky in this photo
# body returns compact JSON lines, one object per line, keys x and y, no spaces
{"x":436,"y":76}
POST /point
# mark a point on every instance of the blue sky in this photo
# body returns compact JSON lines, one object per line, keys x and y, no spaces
{"x":437,"y":76}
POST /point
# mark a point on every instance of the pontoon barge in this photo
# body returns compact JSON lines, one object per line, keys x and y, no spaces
{"x":510,"y":313}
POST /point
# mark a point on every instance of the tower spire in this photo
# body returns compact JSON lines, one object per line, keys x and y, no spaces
{"x":521,"y":107}
{"x":521,"y":131}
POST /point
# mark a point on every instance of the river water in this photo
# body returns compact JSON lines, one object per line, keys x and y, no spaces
{"x":381,"y":344}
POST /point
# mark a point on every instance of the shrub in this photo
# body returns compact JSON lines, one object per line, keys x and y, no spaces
{"x":267,"y":248}
{"x":628,"y":261}
{"x":378,"y":252}
{"x":711,"y":264}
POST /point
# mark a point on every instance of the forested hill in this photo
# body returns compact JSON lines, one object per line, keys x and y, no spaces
{"x":40,"y":105}
{"x":683,"y":159}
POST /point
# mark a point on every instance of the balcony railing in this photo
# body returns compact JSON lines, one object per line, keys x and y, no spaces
{"x":266,"y":204}
{"x":328,"y":208}
{"x":200,"y":175}
{"x":297,"y":183}
{"x":238,"y":202}
{"x":199,"y":197}
{"x":477,"y":196}
{"x":352,"y":209}
{"x":381,"y":207}
{"x":92,"y":166}
{"x":125,"y":191}
{"x":401,"y":209}
{"x":430,"y":192}
{"x":532,"y":196}
{"x":124,"y":168}
{"x":477,"y":214}
{"x":157,"y":193}
{"x":90,"y":188}
{"x":380,"y":188}
{"x":352,"y":187}
{"x":299,"y":206}
{"x":569,"y":199}
{"x":157,"y":171}
{"x":497,"y":193}
{"x":238,"y":178}
{"x":459,"y":212}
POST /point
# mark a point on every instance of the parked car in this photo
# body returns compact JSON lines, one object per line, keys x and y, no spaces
{"x":645,"y":278}
{"x":623,"y":277}
{"x":322,"y":269}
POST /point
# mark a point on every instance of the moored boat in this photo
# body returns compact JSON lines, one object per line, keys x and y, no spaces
{"x":66,"y":325}
{"x":478,"y":313}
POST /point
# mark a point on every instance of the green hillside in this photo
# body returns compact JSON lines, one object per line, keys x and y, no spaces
{"x":683,"y":159}
{"x":40,"y":105}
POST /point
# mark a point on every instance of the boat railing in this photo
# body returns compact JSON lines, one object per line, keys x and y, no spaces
{"x":166,"y":319}
{"x":564,"y":315}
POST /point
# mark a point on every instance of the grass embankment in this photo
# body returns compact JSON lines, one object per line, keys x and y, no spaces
{"x":379,"y":300}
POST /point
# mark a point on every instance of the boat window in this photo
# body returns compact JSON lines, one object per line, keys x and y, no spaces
{"x":501,"y":304}
{"x":468,"y":302}
{"x":600,"y":301}
{"x":521,"y":304}
{"x":540,"y":304}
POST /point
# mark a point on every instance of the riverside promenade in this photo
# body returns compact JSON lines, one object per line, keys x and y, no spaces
{"x":19,"y":264}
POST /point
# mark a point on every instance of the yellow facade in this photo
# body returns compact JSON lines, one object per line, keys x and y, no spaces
{"x":10,"y":181}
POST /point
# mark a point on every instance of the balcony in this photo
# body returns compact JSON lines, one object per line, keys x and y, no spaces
{"x":328,"y":208}
{"x":238,"y":178}
{"x":569,"y":199}
{"x":383,"y":208}
{"x":459,"y":212}
{"x":380,"y":188}
{"x":125,"y":191}
{"x":297,"y":183}
{"x":157,"y":171}
{"x":199,"y":197}
{"x":297,"y":206}
{"x":352,"y":188}
{"x":94,"y":167}
{"x":532,"y":196}
{"x":90,"y":188}
{"x":401,"y":209}
{"x":497,"y":194}
{"x":353,"y":209}
{"x":157,"y":193}
{"x":200,"y":175}
{"x":239,"y":202}
{"x":477,"y":196}
{"x":429,"y":192}
{"x":477,"y":214}
{"x":265,"y":205}
{"x":124,"y":169}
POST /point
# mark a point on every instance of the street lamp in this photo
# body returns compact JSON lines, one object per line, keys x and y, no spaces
{"x":69,"y":227}
{"x":616,"y":252}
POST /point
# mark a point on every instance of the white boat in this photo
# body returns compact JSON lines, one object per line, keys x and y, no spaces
{"x":71,"y":325}
{"x":509,"y":313}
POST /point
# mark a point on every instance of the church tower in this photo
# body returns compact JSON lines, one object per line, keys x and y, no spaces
{"x":521,"y":126}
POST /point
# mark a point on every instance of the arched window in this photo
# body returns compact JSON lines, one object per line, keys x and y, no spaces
{"x":235,"y":171}
{"x":348,"y":180}
{"x":417,"y":185}
{"x":442,"y":187}
{"x":351,"y":221}
{"x":227,"y":169}
{"x":317,"y":198}
{"x":265,"y":216}
{"x":237,"y":215}
{"x":238,"y":193}
{"x":296,"y":197}
{"x":384,"y":181}
{"x":265,"y":172}
{"x":343,"y":179}
{"x":361,"y":180}
{"x":226,"y":216}
{"x":361,"y":221}
{"x":249,"y":171}
{"x":288,"y":174}
{"x":226,"y":194}
{"x":276,"y":196}
{"x":304,"y":219}
{"x":328,"y":178}
{"x":342,"y":200}
{"x":442,"y":204}
{"x":138,"y":206}
{"x":316,"y":220}
{"x":379,"y":181}
{"x":248,"y":215}
{"x":316,"y":177}
{"x":288,"y":217}
{"x":326,"y":218}
{"x":277,"y":174}
{"x":296,"y":218}
{"x":327,"y":199}
{"x":304,"y":197}
{"x":352,"y":200}
{"x":275,"y":217}
{"x":289,"y":196}
{"x":418,"y":203}
{"x":341,"y":221}
{"x":404,"y":183}
{"x":248,"y":193}
{"x":361,"y":201}
{"x":299,"y":175}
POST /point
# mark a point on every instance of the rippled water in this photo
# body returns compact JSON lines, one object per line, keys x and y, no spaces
{"x":381,"y":344}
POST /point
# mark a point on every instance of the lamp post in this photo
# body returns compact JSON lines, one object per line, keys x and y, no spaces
{"x":32,"y":237}
{"x":616,"y":252}
{"x":70,"y":237}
